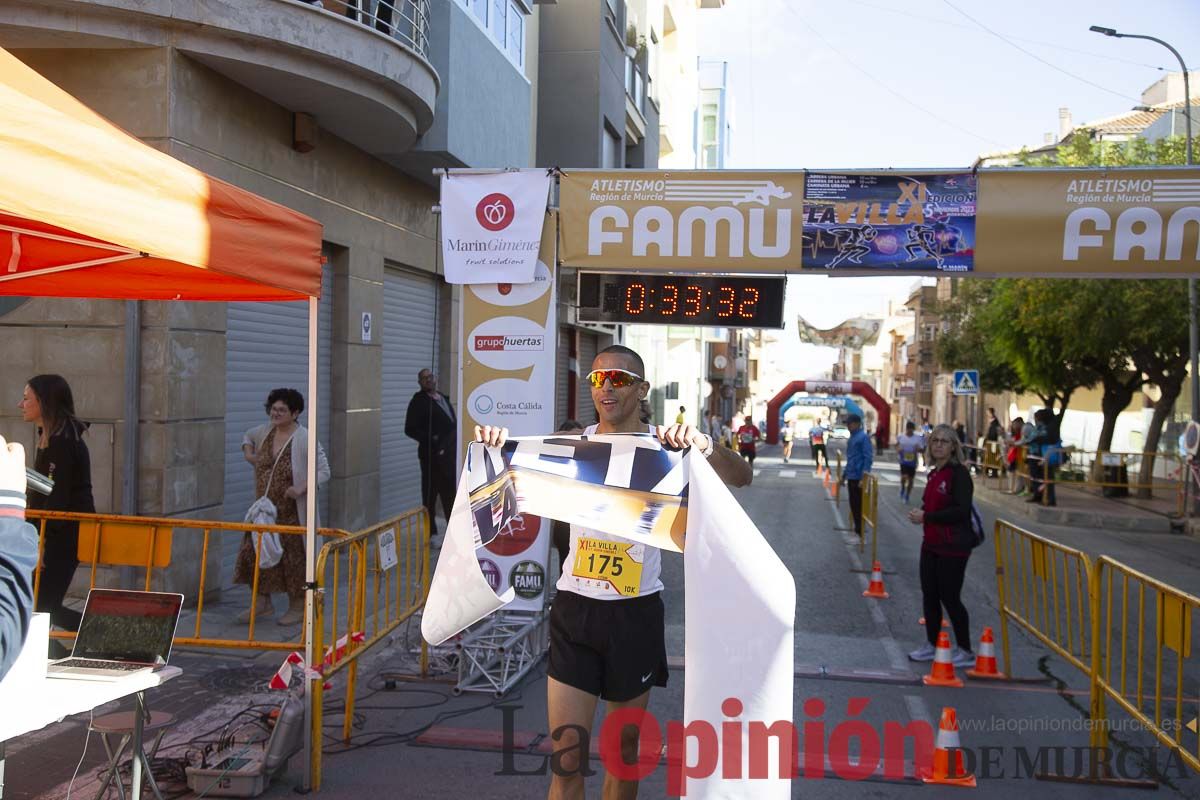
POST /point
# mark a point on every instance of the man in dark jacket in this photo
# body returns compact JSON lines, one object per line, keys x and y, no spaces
{"x":431,"y":421}
{"x":18,"y":555}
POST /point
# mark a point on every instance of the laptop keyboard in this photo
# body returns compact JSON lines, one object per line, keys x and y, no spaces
{"x":87,"y":663}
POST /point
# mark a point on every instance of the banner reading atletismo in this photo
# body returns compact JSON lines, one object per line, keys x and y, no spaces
{"x":492,"y":225}
{"x":874,"y":222}
{"x":506,"y":358}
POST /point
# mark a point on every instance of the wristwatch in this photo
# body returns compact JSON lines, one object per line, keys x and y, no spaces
{"x":708,"y":450}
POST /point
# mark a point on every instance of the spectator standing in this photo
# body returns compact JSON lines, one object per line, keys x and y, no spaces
{"x":681,"y":417}
{"x":1048,"y":448}
{"x":945,"y":511}
{"x":430,"y":420}
{"x":747,"y":438}
{"x":63,"y":457}
{"x":858,"y":464}
{"x":994,"y":433}
{"x":278,"y":451}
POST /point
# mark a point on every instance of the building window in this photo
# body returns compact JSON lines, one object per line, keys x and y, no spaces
{"x":710,"y":126}
{"x":611,"y":158}
{"x":930,"y":331}
{"x":926,"y":381}
{"x":516,"y":35}
{"x":504,"y":23}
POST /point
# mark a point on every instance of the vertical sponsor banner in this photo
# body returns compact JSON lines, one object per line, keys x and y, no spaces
{"x":1121,"y":222}
{"x":875,"y":222}
{"x":506,"y":365}
{"x":492,"y":225}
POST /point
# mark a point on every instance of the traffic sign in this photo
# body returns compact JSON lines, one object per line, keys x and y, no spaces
{"x":966,"y":382}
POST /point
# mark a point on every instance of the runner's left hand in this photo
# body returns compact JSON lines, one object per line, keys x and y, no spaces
{"x":679,"y":436}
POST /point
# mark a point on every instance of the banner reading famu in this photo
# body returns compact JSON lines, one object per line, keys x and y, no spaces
{"x":492,"y":225}
{"x":1116,"y":222}
{"x":696,"y":221}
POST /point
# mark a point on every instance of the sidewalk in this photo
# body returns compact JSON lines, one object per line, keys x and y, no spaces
{"x":1085,"y":508}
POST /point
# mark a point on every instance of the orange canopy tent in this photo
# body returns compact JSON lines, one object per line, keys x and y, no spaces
{"x":87,"y":210}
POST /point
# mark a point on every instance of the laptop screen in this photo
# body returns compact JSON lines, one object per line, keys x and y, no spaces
{"x":128,"y":626}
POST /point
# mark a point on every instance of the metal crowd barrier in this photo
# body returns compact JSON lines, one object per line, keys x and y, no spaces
{"x":1107,"y":471}
{"x":1044,"y":587}
{"x":368,"y":584}
{"x":146,"y":543}
{"x":1156,"y":624}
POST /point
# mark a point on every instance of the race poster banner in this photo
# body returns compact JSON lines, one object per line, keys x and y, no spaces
{"x":697,"y":221}
{"x":492,"y":225}
{"x":876,"y":222}
{"x":623,"y":484}
{"x":626,"y":484}
{"x":506,"y":378}
{"x":1071,"y":222}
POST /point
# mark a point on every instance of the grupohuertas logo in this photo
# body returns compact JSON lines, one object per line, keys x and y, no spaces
{"x":527,"y":579}
{"x":509,"y":342}
{"x":495,"y":212}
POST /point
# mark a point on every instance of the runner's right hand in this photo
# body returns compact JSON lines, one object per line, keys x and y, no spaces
{"x":12,"y":466}
{"x":491,"y":436}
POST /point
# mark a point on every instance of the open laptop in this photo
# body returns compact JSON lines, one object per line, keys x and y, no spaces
{"x":122,"y":633}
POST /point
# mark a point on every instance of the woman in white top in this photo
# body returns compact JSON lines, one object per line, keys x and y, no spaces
{"x":607,"y":637}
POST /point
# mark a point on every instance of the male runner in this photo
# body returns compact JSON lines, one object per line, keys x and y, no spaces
{"x":747,"y":437}
{"x":908,"y":445}
{"x":816,"y":442}
{"x":604,"y":644}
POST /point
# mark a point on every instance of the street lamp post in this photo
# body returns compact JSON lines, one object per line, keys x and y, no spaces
{"x":1193,"y":323}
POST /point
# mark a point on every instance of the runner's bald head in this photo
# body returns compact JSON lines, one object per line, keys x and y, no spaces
{"x":635,"y":361}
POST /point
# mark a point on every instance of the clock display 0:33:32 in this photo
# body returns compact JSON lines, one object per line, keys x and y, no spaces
{"x":698,"y":300}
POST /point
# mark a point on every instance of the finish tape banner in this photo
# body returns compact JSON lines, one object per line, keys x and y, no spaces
{"x":506,"y":365}
{"x":492,"y":224}
{"x":1130,"y":222}
{"x":628,"y":485}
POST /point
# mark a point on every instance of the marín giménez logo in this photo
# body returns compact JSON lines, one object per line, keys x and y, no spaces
{"x":495,"y":212}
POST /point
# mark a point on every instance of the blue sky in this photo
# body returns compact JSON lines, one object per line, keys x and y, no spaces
{"x":924,"y":83}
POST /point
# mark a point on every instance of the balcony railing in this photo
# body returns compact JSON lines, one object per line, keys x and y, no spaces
{"x":406,"y":21}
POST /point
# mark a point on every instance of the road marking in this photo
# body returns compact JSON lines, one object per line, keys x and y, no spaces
{"x":757,"y":472}
{"x":896,"y":658}
{"x":787,"y":473}
{"x":917,"y":708}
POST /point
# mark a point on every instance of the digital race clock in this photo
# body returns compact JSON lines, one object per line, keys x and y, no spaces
{"x":678,"y":300}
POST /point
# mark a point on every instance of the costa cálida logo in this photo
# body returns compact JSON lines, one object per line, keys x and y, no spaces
{"x":495,"y":212}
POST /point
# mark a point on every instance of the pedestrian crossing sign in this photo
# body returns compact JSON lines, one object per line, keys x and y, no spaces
{"x":966,"y":381}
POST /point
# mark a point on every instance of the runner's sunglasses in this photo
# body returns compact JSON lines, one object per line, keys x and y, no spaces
{"x":620,"y":378}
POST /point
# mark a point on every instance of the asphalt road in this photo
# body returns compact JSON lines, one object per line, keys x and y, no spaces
{"x":841,"y":637}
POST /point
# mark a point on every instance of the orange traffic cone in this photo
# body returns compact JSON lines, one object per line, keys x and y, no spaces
{"x":875,"y":589}
{"x":985,"y":662}
{"x":942,"y":673}
{"x":945,"y":624}
{"x":947,"y":746}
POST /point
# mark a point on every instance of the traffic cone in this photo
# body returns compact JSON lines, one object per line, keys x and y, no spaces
{"x":875,"y":589}
{"x":945,"y":624}
{"x":947,"y":745}
{"x":985,"y":662}
{"x":942,"y":673}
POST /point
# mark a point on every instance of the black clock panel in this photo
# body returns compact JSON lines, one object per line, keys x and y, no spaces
{"x":731,"y":302}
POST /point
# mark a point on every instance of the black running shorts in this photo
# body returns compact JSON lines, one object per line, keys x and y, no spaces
{"x":908,"y":469}
{"x":614,"y":649}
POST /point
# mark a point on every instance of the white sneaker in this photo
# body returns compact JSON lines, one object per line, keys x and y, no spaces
{"x":925,"y":652}
{"x":962,"y":658}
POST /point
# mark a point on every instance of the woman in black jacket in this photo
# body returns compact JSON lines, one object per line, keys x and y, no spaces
{"x":63,"y":457}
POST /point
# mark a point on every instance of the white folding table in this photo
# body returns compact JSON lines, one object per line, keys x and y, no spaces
{"x":44,"y":701}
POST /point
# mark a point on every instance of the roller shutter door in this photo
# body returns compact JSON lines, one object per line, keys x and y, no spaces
{"x":266,"y":347}
{"x":585,"y":408}
{"x":410,"y":302}
{"x":561,"y":368}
